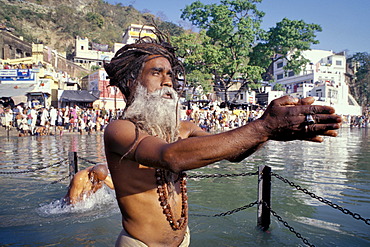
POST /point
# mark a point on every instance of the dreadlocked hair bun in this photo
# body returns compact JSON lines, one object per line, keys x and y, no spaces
{"x":124,"y":68}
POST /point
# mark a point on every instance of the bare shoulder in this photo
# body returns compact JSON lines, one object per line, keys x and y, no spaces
{"x":119,"y":136}
{"x":81,"y":176}
{"x":117,"y":126}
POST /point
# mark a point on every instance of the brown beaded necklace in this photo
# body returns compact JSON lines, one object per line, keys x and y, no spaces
{"x":162,"y":190}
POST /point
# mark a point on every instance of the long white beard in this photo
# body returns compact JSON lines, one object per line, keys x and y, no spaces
{"x":156,"y":115}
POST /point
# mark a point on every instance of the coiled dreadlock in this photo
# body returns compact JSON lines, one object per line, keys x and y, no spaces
{"x":126,"y":65}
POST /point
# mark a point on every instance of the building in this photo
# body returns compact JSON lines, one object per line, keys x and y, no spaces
{"x":13,"y":47}
{"x":135,"y":31}
{"x":110,"y":97}
{"x":323,"y":77}
{"x":35,"y":76}
{"x":267,"y":96}
{"x":238,"y":95}
{"x":89,"y":54}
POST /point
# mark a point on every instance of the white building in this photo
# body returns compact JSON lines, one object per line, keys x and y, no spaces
{"x":323,"y":78}
{"x":135,"y":31}
{"x":92,"y":54}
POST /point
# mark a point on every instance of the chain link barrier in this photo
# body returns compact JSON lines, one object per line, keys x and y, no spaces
{"x":70,"y":175}
{"x":313,"y":195}
{"x":224,"y":175}
{"x":88,"y":161}
{"x":60,"y":180}
{"x":36,"y":169}
{"x":279,"y":218}
{"x":291,"y":229}
{"x":228,"y":212}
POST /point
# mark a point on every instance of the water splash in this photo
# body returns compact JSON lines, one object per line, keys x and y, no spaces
{"x":98,"y":201}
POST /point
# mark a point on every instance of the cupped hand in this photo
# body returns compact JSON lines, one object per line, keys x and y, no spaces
{"x":285,"y":120}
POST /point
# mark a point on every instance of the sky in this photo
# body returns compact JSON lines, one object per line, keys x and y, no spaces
{"x":345,"y":23}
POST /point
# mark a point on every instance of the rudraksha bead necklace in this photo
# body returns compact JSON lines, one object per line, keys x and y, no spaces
{"x":162,"y":190}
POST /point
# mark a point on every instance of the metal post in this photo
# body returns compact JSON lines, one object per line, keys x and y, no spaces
{"x":73,"y":166}
{"x":264,"y":197}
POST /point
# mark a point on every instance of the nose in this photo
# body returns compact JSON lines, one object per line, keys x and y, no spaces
{"x":167,"y":82}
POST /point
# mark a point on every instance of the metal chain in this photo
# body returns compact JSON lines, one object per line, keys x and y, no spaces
{"x":313,"y":195}
{"x":228,"y":212}
{"x":59,"y":180}
{"x":88,"y":161}
{"x":223,"y":175}
{"x":35,"y":169}
{"x":291,"y":229}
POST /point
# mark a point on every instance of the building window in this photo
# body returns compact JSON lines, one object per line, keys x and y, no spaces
{"x":82,"y":47}
{"x":338,"y":62}
{"x":279,"y":65}
{"x":291,"y":73}
{"x":280,"y":76}
{"x":332,"y":94}
{"x":241,"y":96}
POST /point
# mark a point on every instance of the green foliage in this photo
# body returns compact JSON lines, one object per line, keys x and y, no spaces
{"x":190,"y":48}
{"x":60,"y":21}
{"x":360,"y":88}
{"x":95,"y":67}
{"x":95,"y":19}
{"x":255,"y":86}
{"x":286,"y":40}
{"x":231,"y":28}
{"x":278,"y":87}
{"x":199,"y":78}
{"x":171,"y":28}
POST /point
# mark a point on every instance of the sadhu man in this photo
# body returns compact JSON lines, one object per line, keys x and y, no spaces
{"x":150,"y":148}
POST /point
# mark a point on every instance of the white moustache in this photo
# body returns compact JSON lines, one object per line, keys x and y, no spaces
{"x":165,"y":91}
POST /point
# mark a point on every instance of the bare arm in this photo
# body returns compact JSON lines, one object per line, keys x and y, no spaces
{"x":283,"y":120}
{"x":76,"y":188}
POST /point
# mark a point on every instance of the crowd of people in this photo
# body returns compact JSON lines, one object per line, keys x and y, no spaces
{"x":51,"y":121}
{"x":20,"y":66}
{"x":54,"y":121}
{"x":215,"y":119}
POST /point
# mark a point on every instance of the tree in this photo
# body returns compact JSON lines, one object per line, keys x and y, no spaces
{"x":191,"y":49}
{"x":231,"y":28}
{"x":278,"y":87}
{"x":360,"y":86}
{"x":95,"y":19}
{"x":286,"y":40}
{"x":172,"y":28}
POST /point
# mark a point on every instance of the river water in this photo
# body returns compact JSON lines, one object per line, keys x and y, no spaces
{"x":337,"y":170}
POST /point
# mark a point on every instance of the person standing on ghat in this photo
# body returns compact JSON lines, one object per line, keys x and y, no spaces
{"x":149,"y":150}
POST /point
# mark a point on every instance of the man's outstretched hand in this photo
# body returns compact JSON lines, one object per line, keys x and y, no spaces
{"x":288,"y":118}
